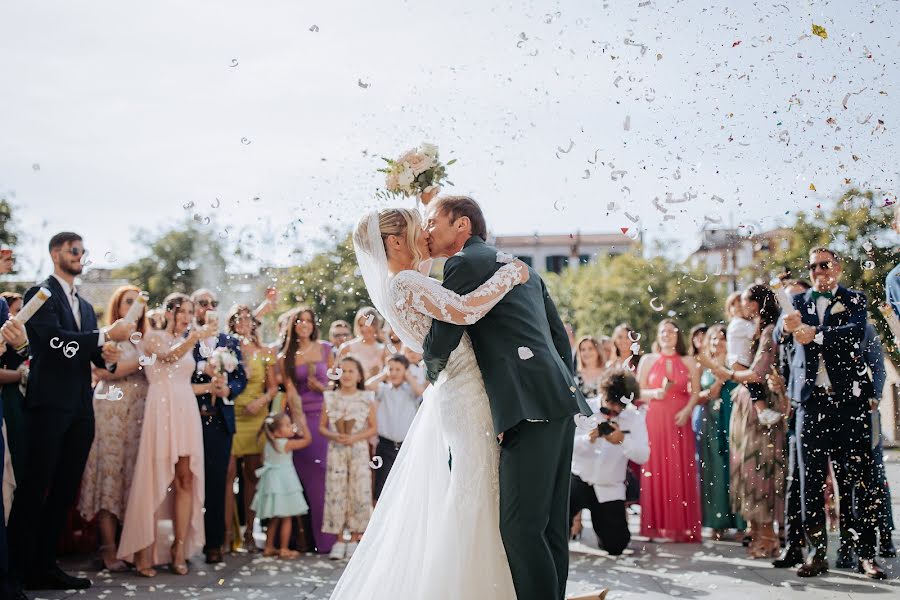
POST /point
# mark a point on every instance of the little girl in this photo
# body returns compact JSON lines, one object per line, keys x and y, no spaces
{"x":279,"y":494}
{"x":348,"y":421}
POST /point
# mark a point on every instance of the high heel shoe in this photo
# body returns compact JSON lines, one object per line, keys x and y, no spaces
{"x":179,"y":568}
{"x":113,"y":566}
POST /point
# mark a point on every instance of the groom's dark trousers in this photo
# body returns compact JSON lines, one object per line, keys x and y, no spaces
{"x":525,"y":359}
{"x":535,"y":469}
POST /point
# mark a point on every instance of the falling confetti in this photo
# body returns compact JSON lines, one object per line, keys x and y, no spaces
{"x":525,"y":353}
{"x":234,"y":63}
{"x":812,"y":187}
{"x":819,"y":31}
{"x":363,"y":85}
{"x":36,"y":167}
{"x":335,"y":373}
{"x":314,"y":28}
{"x":376,"y":462}
{"x":246,"y":141}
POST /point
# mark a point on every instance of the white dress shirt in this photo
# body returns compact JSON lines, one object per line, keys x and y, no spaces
{"x":74,"y":304}
{"x":603,"y":465}
{"x":822,"y":379}
{"x":397,"y":408}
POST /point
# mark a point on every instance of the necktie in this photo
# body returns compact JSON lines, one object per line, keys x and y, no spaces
{"x":816,"y":295}
{"x":75,"y":309}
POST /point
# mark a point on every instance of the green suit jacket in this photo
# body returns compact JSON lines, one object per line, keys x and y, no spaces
{"x":521,"y":345}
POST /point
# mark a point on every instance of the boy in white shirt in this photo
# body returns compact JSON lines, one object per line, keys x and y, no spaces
{"x":601,"y":455}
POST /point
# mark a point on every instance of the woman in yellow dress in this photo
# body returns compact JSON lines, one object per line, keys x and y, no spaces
{"x":251,"y":408}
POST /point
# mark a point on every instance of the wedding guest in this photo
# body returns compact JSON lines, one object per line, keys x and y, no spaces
{"x":793,"y":519}
{"x":305,"y":362}
{"x":339,"y":333}
{"x":397,"y":397}
{"x":828,"y":326}
{"x":628,"y":352}
{"x":600,"y":458}
{"x":59,"y":417}
{"x":892,"y":282}
{"x":348,"y":421}
{"x":156,"y":319}
{"x":365,"y":346}
{"x":7,"y":377}
{"x":216,"y":415}
{"x":670,"y":384}
{"x":251,"y":407}
{"x":590,"y":364}
{"x":695,"y":345}
{"x":279,"y":497}
{"x":740,"y":332}
{"x":13,"y":301}
{"x":608,"y":347}
{"x":716,"y":402}
{"x":416,"y":367}
{"x":118,"y":411}
{"x":169,"y":473}
{"x":757,"y":449}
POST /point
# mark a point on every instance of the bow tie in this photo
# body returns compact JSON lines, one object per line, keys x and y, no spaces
{"x":816,"y":295}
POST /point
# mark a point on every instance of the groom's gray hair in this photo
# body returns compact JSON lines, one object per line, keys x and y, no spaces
{"x":456,"y":207}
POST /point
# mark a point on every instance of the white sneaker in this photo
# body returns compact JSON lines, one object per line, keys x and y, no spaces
{"x":351,"y":548}
{"x":338,"y":551}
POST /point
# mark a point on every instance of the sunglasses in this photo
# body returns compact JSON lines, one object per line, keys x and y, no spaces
{"x":825,"y":265}
{"x":75,"y":251}
{"x":208,"y":303}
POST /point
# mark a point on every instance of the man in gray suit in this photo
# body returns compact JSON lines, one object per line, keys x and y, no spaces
{"x":524,"y":356}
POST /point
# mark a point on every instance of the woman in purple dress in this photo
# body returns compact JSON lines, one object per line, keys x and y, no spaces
{"x":304,"y":362}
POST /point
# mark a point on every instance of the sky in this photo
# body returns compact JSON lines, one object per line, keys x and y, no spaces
{"x":270,"y":118}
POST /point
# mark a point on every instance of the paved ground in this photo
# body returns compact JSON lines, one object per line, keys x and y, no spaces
{"x":711,"y":571}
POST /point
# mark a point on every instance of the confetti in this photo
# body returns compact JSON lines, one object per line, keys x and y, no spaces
{"x":819,"y":31}
{"x":525,"y":353}
{"x":314,"y":28}
{"x":812,"y":187}
{"x":335,"y":373}
{"x":364,"y":86}
{"x":628,"y":123}
{"x":631,"y":217}
{"x":217,"y":203}
{"x":85,"y":262}
{"x":847,"y":98}
{"x":869,"y":265}
{"x":369,"y":320}
{"x":110,"y":257}
{"x":571,"y":145}
{"x":376,"y":462}
{"x":146,"y":361}
{"x":135,"y":337}
{"x":624,"y":229}
{"x":654,"y":306}
{"x":188,"y":205}
{"x":234,"y":63}
{"x":36,"y":167}
{"x":244,"y":141}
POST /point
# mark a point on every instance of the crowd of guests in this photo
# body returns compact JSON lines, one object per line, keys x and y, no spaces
{"x":744,"y":427}
{"x":178,"y":432}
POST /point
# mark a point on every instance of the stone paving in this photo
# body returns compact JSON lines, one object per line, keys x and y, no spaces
{"x":709,"y":571}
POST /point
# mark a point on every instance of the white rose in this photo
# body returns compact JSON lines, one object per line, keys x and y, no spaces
{"x":430,"y":150}
{"x":406,"y":177}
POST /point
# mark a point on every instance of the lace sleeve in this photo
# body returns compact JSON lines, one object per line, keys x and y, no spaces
{"x":429,"y":297}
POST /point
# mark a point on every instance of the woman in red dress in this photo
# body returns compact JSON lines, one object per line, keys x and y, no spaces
{"x":670,"y":493}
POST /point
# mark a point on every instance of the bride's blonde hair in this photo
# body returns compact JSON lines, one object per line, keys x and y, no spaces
{"x":393,"y":221}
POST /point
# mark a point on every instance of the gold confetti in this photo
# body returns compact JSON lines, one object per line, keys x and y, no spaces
{"x":820,"y":31}
{"x":221,"y":581}
{"x":812,"y":187}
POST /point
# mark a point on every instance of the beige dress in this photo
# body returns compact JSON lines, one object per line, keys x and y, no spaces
{"x":117,"y":434}
{"x":348,"y":477}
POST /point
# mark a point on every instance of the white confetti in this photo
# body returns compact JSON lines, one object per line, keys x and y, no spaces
{"x":525,"y":353}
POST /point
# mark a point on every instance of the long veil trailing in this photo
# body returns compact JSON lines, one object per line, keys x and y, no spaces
{"x":388,"y":563}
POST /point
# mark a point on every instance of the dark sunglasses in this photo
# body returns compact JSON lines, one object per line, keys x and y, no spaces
{"x":77,"y":251}
{"x":208,"y":303}
{"x":825,"y":265}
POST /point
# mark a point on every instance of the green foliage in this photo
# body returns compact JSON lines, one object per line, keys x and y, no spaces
{"x":178,"y":260}
{"x":595,"y":298}
{"x":858,"y":228}
{"x":330,"y":282}
{"x":8,"y":235}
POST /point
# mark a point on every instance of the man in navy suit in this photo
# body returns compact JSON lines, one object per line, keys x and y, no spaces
{"x":830,"y":384}
{"x":59,"y":417}
{"x":217,"y":415}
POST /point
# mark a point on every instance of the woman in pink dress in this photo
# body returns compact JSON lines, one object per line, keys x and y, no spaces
{"x":670,"y":494}
{"x":168,"y":475}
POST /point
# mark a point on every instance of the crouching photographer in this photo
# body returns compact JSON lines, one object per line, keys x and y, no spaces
{"x":600,"y":459}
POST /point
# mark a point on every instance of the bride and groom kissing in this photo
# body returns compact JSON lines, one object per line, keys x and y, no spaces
{"x":476,"y":506}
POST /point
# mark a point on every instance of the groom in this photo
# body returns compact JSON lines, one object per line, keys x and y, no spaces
{"x":524,"y":355}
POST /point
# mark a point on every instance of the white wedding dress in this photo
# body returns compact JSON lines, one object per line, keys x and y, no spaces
{"x":435,"y":531}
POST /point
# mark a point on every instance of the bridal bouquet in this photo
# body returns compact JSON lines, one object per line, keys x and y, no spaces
{"x":416,"y":173}
{"x":223,"y":360}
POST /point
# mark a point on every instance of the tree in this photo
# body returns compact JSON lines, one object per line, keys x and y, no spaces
{"x":857,"y":227}
{"x":8,"y":235}
{"x":629,"y":288}
{"x":330,"y":282}
{"x":178,"y":260}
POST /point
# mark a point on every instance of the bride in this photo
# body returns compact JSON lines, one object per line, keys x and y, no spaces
{"x":435,"y":530}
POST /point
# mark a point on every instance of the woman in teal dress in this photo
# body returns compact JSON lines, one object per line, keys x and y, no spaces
{"x":713,"y":434}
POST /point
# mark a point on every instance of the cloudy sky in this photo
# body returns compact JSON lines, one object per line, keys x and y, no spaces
{"x":270,"y":117}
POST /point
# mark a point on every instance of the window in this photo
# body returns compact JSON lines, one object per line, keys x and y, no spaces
{"x":556,"y":263}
